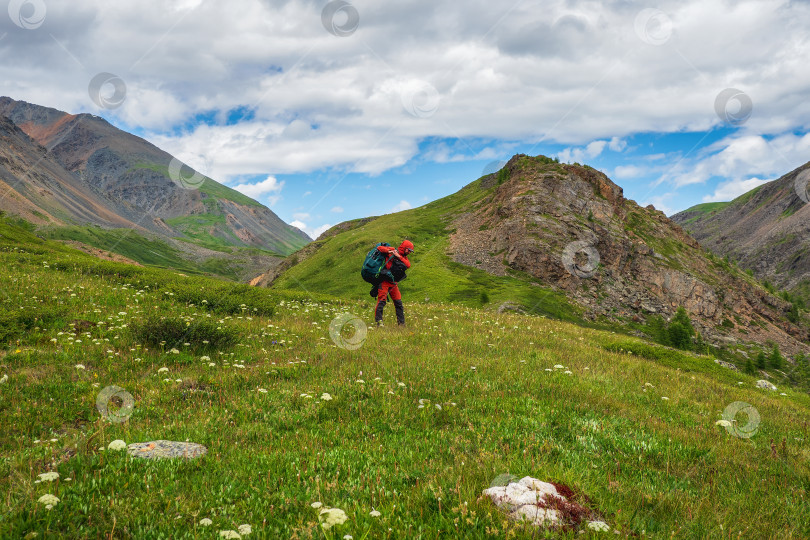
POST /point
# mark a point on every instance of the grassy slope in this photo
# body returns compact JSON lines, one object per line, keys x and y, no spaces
{"x":649,"y":465}
{"x":209,"y":186}
{"x":153,"y":252}
{"x":335,"y":267}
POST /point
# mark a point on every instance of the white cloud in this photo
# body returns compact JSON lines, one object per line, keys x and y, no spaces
{"x":259,"y":189}
{"x":581,"y":155}
{"x":312,"y":232}
{"x":301,"y":216}
{"x":337,"y":209}
{"x":623,"y":172}
{"x":617,"y":145}
{"x":732,"y":189}
{"x":403,"y":205}
{"x":743,"y":157}
{"x":573,"y":73}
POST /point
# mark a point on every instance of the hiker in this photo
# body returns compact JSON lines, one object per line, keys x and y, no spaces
{"x":392,"y":273}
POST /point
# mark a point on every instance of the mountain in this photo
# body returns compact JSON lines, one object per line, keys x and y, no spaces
{"x":61,"y":169}
{"x":554,"y":239}
{"x":766,"y":230}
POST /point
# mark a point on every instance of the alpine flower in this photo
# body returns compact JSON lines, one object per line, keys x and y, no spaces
{"x":49,"y":500}
{"x":48,"y":476}
{"x":330,"y":517}
{"x":117,"y":444}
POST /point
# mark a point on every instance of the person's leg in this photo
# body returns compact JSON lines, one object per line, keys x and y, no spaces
{"x":382,"y":294}
{"x":396,"y":296}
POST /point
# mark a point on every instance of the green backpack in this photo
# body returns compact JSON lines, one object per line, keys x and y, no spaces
{"x":374,"y":265}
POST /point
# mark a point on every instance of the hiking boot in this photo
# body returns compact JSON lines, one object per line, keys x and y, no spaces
{"x":400,"y":310}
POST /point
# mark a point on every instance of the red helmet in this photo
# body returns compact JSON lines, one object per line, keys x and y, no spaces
{"x":406,"y":245}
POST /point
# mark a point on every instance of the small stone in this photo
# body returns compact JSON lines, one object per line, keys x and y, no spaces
{"x":166,"y":449}
{"x":762,"y":383}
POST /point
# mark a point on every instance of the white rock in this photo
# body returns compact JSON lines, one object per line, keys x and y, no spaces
{"x":762,"y":383}
{"x":520,"y":499}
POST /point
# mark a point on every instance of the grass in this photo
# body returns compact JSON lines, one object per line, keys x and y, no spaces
{"x":650,"y":466}
{"x":207,"y":230}
{"x":157,"y":253}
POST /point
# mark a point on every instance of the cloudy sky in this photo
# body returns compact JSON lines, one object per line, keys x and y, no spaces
{"x":330,"y":110}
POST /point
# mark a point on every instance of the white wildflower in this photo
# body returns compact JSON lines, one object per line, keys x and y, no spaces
{"x":559,"y":366}
{"x":4,"y":379}
{"x":174,"y":351}
{"x":374,"y":513}
{"x":316,"y":504}
{"x":598,"y":526}
{"x":326,"y":397}
{"x":724,"y":423}
{"x":330,"y":517}
{"x":79,"y":366}
{"x":48,"y":476}
{"x":245,"y":530}
{"x":49,"y":499}
{"x":117,"y":444}
{"x":263,"y":390}
{"x":205,"y":522}
{"x":665,"y":398}
{"x":163,"y":370}
{"x":205,"y":358}
{"x":233,"y":535}
{"x":360,"y":381}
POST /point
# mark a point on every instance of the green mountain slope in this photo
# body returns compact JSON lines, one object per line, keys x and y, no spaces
{"x":766,"y":231}
{"x":516,"y":239}
{"x":420,"y":421}
{"x":63,"y":170}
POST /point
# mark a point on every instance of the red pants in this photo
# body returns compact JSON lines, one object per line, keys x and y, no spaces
{"x":386,"y":288}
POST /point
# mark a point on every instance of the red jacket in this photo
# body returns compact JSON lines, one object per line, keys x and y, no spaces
{"x":390,"y":249}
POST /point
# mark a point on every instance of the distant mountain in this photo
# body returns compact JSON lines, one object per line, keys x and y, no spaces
{"x":554,"y":239}
{"x":766,"y":230}
{"x":62,"y":169}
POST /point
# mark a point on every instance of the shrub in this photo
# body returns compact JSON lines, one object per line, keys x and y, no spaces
{"x":749,"y":367}
{"x":775,"y":358}
{"x":171,"y":332}
{"x":762,"y":361}
{"x":680,"y":330}
{"x":484,"y":298}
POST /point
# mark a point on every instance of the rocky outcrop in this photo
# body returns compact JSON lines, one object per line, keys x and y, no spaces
{"x":571,"y":227}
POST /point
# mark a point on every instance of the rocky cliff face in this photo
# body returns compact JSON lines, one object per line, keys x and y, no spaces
{"x":128,"y":181}
{"x":571,"y":227}
{"x":766,"y":230}
{"x":38,"y":188}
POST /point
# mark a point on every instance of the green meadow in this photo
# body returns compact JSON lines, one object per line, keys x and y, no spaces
{"x":401,"y":429}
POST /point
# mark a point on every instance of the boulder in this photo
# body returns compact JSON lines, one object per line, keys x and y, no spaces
{"x":540,"y":503}
{"x":166,"y":449}
{"x":765,"y":384}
